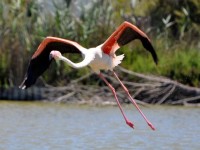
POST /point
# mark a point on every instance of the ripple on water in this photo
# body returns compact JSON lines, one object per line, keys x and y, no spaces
{"x":33,"y":125}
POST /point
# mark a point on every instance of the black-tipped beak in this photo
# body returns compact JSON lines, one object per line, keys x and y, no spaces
{"x":50,"y":57}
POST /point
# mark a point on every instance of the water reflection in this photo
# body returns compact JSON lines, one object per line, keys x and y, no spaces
{"x":41,"y":126}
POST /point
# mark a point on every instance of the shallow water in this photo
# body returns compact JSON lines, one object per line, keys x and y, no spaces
{"x":47,"y":126}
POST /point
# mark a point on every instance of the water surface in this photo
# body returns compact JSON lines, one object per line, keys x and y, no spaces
{"x":47,"y":126}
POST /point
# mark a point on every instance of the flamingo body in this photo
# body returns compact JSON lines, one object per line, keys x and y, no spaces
{"x":99,"y":58}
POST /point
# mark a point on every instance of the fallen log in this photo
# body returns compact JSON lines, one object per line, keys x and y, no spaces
{"x":150,"y":90}
{"x":147,"y":90}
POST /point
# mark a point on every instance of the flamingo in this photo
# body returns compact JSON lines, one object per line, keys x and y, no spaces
{"x":99,"y":58}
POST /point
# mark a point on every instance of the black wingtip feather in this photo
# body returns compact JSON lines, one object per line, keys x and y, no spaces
{"x":148,"y":46}
{"x":154,"y":55}
{"x":28,"y":81}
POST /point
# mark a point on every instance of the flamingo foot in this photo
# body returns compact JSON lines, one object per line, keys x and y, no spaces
{"x":151,"y":126}
{"x":130,"y":124}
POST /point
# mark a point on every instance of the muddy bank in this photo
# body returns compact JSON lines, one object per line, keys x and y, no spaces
{"x":150,"y":90}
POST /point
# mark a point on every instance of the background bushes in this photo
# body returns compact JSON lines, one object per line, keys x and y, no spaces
{"x":172,"y":25}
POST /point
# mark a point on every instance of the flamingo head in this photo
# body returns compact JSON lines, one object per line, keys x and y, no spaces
{"x":55,"y":54}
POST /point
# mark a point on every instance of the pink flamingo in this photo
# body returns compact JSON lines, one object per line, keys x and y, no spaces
{"x":102,"y":57}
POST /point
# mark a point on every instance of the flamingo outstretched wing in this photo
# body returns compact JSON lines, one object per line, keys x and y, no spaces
{"x":40,"y":60}
{"x":124,"y":34}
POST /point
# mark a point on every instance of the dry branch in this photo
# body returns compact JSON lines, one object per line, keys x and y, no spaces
{"x":149,"y":89}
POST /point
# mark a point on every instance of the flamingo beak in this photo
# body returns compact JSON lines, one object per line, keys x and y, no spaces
{"x":50,"y":56}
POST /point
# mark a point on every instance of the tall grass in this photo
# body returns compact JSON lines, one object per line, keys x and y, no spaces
{"x":23,"y":26}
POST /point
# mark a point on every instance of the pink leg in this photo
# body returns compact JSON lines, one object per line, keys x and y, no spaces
{"x":114,"y":93}
{"x":134,"y":103}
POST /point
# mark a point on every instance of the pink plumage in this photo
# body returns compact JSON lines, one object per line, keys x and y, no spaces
{"x":99,"y":58}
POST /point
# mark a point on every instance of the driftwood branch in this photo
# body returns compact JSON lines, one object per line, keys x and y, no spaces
{"x":144,"y":89}
{"x":163,"y":90}
{"x":149,"y":89}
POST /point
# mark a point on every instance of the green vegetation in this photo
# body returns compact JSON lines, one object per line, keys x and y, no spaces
{"x":173,"y":26}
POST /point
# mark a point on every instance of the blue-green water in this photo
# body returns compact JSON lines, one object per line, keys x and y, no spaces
{"x":49,"y":126}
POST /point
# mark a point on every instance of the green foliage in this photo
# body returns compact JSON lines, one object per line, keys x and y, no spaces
{"x":172,"y":25}
{"x":24,"y":25}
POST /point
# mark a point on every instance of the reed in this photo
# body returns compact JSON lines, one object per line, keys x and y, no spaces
{"x":174,"y":32}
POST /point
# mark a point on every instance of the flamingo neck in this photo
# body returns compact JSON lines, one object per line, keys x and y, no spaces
{"x":87,"y":59}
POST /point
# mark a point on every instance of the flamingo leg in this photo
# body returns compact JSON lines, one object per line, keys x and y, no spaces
{"x":118,"y":103}
{"x":133,"y":102}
